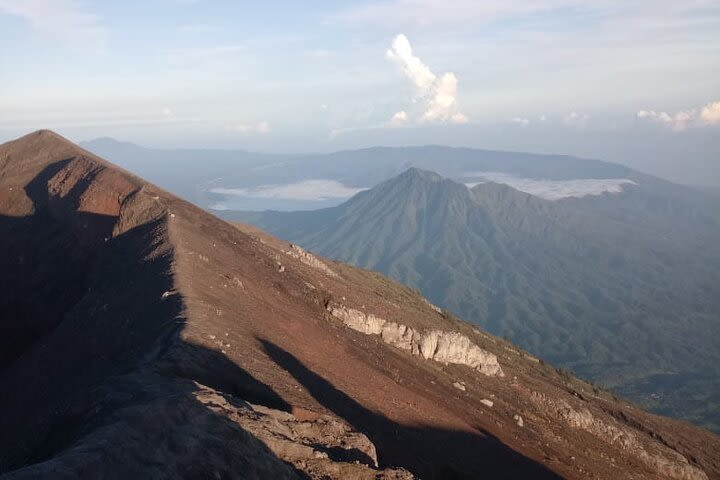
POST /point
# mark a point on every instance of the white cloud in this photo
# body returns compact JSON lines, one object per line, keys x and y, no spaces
{"x":260,"y":128}
{"x":309,"y":190}
{"x":553,"y":189}
{"x":680,"y":121}
{"x":576,"y":120}
{"x":414,"y":69}
{"x":167,"y":112}
{"x":710,"y":114}
{"x":399,"y":118}
{"x":219,"y":206}
{"x":437,"y":95}
{"x":61,"y":19}
{"x":677,"y":122}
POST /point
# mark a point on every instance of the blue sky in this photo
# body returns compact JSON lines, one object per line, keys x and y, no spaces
{"x":630,"y":81}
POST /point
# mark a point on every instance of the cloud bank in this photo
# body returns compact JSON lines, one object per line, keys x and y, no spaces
{"x":399,"y":118}
{"x":552,"y":189}
{"x":437,"y":95}
{"x":680,"y":121}
{"x":308,"y":190}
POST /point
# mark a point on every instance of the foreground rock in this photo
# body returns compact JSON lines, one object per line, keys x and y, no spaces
{"x":320,"y":448}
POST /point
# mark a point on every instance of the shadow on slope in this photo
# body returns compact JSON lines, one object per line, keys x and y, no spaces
{"x":97,"y":382}
{"x":426,"y":451}
{"x":44,"y":265}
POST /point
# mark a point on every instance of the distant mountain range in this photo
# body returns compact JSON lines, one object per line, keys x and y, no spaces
{"x":623,"y":288}
{"x":240,"y":180}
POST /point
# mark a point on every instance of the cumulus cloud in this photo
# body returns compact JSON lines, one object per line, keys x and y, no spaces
{"x":419,"y":73}
{"x":677,"y":122}
{"x":437,"y":95}
{"x":552,"y":189}
{"x":710,"y":114}
{"x":680,"y":121}
{"x":577,"y":120}
{"x":399,"y":118}
{"x":259,"y":128}
{"x":309,"y":190}
{"x":62,"y":19}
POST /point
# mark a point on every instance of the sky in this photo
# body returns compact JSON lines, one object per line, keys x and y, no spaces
{"x":631,"y":81}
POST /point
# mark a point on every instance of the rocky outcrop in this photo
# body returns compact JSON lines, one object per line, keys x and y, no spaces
{"x":666,"y":462}
{"x":437,"y":345}
{"x":324,"y":447}
{"x":309,"y":259}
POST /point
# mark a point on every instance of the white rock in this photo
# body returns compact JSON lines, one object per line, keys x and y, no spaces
{"x":487,"y":402}
{"x":309,"y":259}
{"x":459,"y":385}
{"x":438,"y":345}
{"x":519,"y":420}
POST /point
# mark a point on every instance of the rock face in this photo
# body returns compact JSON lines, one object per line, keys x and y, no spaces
{"x":321,"y":448}
{"x":665,"y":462}
{"x":309,"y":259}
{"x":437,"y":345}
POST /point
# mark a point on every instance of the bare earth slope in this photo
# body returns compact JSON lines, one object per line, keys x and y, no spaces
{"x":141,"y":337}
